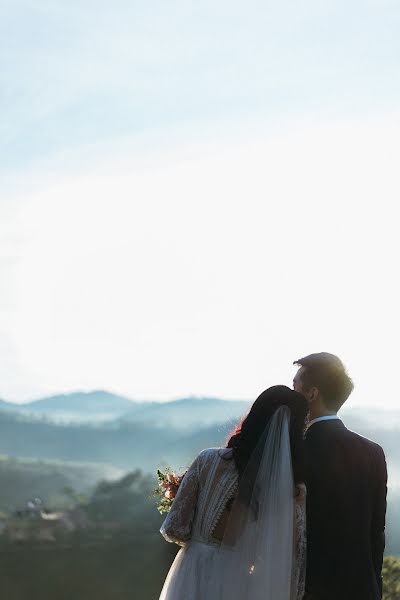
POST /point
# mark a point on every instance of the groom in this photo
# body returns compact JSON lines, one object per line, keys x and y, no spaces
{"x":346,"y":490}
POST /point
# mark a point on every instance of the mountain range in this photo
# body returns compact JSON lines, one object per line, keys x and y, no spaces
{"x":102,"y":427}
{"x":101,"y":406}
{"x":98,"y":405}
{"x":144,"y":435}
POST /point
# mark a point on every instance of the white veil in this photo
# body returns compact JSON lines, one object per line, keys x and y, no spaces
{"x":255,"y":559}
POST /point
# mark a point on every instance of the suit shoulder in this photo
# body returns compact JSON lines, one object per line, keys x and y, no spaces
{"x":366,"y":442}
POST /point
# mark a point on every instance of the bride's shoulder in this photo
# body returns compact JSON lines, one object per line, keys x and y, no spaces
{"x":209,"y":453}
{"x":225,"y":453}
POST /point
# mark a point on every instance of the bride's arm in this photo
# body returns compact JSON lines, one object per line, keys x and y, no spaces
{"x":177,"y":526}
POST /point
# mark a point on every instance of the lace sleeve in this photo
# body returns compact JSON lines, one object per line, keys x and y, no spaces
{"x":177,"y":526}
{"x":299,"y":576}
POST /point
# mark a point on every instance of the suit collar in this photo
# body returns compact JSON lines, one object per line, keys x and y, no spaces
{"x":321,"y":427}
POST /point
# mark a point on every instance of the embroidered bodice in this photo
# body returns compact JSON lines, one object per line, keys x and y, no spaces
{"x":206,"y":488}
{"x":205,"y":491}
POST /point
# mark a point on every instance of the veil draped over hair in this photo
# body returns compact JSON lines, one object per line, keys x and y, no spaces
{"x":255,"y":559}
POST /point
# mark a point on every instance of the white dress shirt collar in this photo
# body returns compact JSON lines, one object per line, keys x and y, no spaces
{"x":327,"y":418}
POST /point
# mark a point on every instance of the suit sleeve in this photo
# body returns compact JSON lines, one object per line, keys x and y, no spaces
{"x":379,"y":515}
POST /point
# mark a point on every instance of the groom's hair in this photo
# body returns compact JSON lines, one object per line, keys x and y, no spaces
{"x":326,"y":372}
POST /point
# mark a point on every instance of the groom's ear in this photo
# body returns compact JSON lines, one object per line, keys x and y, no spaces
{"x":313,"y":393}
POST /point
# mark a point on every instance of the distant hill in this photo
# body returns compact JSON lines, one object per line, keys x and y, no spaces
{"x":186,"y":413}
{"x":148,"y":442}
{"x":8,"y":405}
{"x":125,"y":445}
{"x":101,"y":406}
{"x":93,"y":406}
{"x":371,"y":416}
{"x":128,"y":445}
{"x":23,"y":479}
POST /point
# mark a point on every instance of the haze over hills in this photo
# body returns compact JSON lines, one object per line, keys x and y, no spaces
{"x":148,"y":432}
{"x":98,"y":405}
{"x":102,"y":406}
{"x":82,"y":402}
{"x":23,"y":478}
{"x":150,"y":435}
{"x":187,"y":412}
{"x":9,"y":405}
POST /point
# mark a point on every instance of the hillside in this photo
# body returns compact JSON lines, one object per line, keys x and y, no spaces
{"x":124,"y":445}
{"x":186,"y":413}
{"x":101,"y":406}
{"x":95,"y":406}
{"x":23,"y":479}
{"x":9,"y":405}
{"x":147,"y":443}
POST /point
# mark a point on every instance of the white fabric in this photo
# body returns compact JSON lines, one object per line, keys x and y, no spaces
{"x":255,"y":560}
{"x":260,"y":566}
{"x":207,"y":486}
{"x":326,"y":418}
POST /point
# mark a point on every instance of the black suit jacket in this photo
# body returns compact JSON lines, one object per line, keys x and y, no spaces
{"x":346,"y":506}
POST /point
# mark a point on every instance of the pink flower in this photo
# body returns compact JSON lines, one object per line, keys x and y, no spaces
{"x":168,"y":485}
{"x":172,"y":478}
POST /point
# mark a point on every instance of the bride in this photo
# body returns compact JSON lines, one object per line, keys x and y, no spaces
{"x":239,"y":513}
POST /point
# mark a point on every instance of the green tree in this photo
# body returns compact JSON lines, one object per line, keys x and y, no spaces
{"x":391,"y":578}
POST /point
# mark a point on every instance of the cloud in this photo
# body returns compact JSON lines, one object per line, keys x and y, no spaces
{"x":173,"y":219}
{"x":208,"y":265}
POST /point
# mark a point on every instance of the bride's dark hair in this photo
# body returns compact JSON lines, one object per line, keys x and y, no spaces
{"x":244,"y":438}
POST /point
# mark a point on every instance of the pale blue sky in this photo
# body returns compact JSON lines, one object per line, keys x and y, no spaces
{"x":193,"y":195}
{"x":82,"y":71}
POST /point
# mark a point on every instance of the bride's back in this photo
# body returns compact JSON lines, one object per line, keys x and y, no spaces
{"x":266,"y":525}
{"x":206,"y":489}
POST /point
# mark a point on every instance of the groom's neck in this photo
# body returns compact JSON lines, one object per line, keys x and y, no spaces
{"x":320,"y":411}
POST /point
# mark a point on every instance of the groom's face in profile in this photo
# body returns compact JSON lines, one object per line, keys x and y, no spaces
{"x":297,"y":382}
{"x":298,"y":386}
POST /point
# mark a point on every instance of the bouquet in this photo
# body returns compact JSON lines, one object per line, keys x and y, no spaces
{"x":168,"y":485}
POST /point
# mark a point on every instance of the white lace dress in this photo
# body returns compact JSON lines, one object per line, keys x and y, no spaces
{"x":207,"y":487}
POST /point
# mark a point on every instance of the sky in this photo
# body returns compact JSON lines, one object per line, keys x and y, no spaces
{"x":193,"y":195}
